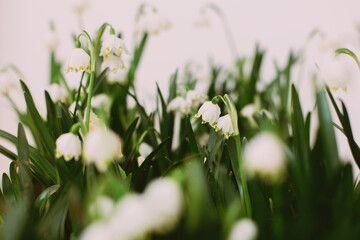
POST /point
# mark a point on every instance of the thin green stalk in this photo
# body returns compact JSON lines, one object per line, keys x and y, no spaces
{"x":243,"y":178}
{"x":88,"y":105}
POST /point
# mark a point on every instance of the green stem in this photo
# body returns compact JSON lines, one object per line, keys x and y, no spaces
{"x":88,"y":105}
{"x":243,"y":178}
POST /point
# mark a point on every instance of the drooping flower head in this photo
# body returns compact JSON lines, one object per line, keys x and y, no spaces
{"x":68,"y":146}
{"x":102,"y":146}
{"x":209,"y":112}
{"x":150,"y":21}
{"x":79,"y":61}
{"x":244,"y":229}
{"x":225,"y":125}
{"x":264,"y":156}
{"x":179,"y":104}
{"x":113,"y":45}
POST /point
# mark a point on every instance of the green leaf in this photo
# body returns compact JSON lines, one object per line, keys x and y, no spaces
{"x":172,"y":86}
{"x":7,"y":189}
{"x":136,"y":59}
{"x":255,"y":74}
{"x":128,"y":134}
{"x":348,"y":52}
{"x":190,"y":136}
{"x":7,"y":153}
{"x":15,"y":180}
{"x":42,"y":199}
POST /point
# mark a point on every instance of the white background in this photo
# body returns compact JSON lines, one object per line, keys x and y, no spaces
{"x":277,"y":25}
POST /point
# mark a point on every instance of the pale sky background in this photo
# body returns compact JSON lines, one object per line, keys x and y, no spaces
{"x":278,"y":25}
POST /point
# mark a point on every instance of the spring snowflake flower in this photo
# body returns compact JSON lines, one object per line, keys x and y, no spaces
{"x":209,"y":112}
{"x":69,"y":146}
{"x":194,"y":98}
{"x":113,"y":62}
{"x":202,"y":20}
{"x":100,"y":101}
{"x":164,"y":199}
{"x":225,"y":125}
{"x":113,"y":45}
{"x":97,"y":230}
{"x":244,"y":229}
{"x":94,"y":121}
{"x":150,"y":21}
{"x":51,"y":40}
{"x":80,"y":6}
{"x":8,"y":80}
{"x":102,"y":207}
{"x":101,"y":146}
{"x":179,"y":104}
{"x":264,"y":155}
{"x":56,"y":92}
{"x":78,"y":61}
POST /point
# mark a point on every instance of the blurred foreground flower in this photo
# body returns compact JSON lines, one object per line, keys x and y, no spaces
{"x":244,"y":229}
{"x":8,"y":80}
{"x":209,"y":112}
{"x":69,"y":146}
{"x":264,"y":155}
{"x":78,"y":61}
{"x":150,"y":21}
{"x":157,"y":210}
{"x":102,"y":146}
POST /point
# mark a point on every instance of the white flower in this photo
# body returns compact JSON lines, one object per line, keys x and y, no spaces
{"x":80,"y":6}
{"x":202,"y":20}
{"x":144,"y":150}
{"x":113,"y":62}
{"x":102,"y":207}
{"x":8,"y":80}
{"x":73,"y":79}
{"x":101,"y":146}
{"x":113,"y":45}
{"x":210,"y":113}
{"x":244,"y":229}
{"x":51,"y":40}
{"x":69,"y":146}
{"x":100,"y":101}
{"x":97,"y":230}
{"x":118,"y":76}
{"x":78,"y":61}
{"x":132,"y":218}
{"x":56,"y":92}
{"x":264,"y":155}
{"x":194,"y":98}
{"x":179,"y":104}
{"x":93,"y":120}
{"x":164,"y":199}
{"x":150,"y":21}
{"x":225,"y":125}
{"x":249,"y":111}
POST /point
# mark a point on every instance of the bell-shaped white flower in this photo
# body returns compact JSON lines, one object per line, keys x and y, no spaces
{"x":118,"y":76}
{"x":264,"y":155}
{"x":102,"y":146}
{"x":244,"y":229}
{"x":179,"y":104}
{"x":150,"y":21}
{"x":56,"y":92}
{"x":8,"y":80}
{"x":113,"y":45}
{"x":78,"y":61}
{"x":100,"y":101}
{"x":80,"y":6}
{"x":69,"y":146}
{"x":209,"y":112}
{"x":94,"y":121}
{"x":164,"y":199}
{"x":202,"y":20}
{"x":113,"y":62}
{"x":102,"y":207}
{"x":52,"y":40}
{"x":225,"y":125}
{"x":194,"y":98}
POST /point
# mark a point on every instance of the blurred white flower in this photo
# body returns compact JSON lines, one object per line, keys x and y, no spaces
{"x":102,"y":146}
{"x":144,"y":150}
{"x":102,"y":207}
{"x":132,"y":218}
{"x":78,"y":61}
{"x":100,"y":101}
{"x":56,"y":92}
{"x":264,"y":155}
{"x":179,"y":104}
{"x":73,"y":79}
{"x":209,"y":112}
{"x":150,"y":21}
{"x":164,"y":199}
{"x":244,"y":229}
{"x":80,"y":6}
{"x":248,"y":111}
{"x":202,"y":20}
{"x":69,"y":146}
{"x":194,"y":98}
{"x":118,"y":76}
{"x":113,"y":62}
{"x":225,"y":125}
{"x":8,"y":80}
{"x":51,"y":40}
{"x":94,"y":121}
{"x":97,"y":230}
{"x":113,"y":45}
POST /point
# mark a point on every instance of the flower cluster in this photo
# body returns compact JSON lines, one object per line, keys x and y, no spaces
{"x":157,"y":210}
{"x":210,"y":113}
{"x":101,"y":146}
{"x":112,"y":49}
{"x":150,"y":21}
{"x":184,"y":105}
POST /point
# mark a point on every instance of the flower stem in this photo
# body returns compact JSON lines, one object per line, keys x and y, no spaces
{"x":88,"y":105}
{"x":242,"y":177}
